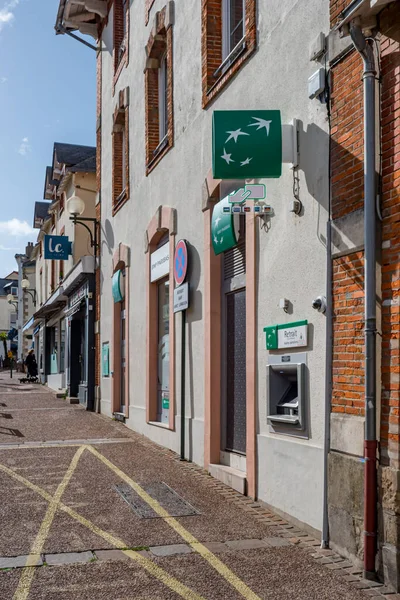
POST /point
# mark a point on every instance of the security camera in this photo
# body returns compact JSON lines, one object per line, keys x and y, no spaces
{"x":320,"y":304}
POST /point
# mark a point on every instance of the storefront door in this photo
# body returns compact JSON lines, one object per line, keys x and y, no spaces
{"x":233,"y":416}
{"x":123,"y":358}
{"x":163,"y":351}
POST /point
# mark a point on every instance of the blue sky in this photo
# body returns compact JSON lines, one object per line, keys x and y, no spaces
{"x":47,"y":95}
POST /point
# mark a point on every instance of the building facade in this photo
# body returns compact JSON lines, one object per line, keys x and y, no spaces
{"x":63,"y":321}
{"x":163,"y":69}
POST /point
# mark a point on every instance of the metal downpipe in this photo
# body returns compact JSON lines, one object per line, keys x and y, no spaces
{"x":365,"y":49}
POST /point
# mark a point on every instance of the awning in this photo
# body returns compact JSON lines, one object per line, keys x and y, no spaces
{"x":54,"y":303}
{"x":28,"y":324}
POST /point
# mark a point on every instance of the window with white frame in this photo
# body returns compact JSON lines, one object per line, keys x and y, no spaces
{"x":162,"y":97}
{"x":233,"y":26}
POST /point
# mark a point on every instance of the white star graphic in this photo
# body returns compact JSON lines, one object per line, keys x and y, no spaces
{"x":217,"y":220}
{"x":260,"y":124}
{"x":246,"y":162}
{"x":227,"y":157}
{"x":235,"y":134}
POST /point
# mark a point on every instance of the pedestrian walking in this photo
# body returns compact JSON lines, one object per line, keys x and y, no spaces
{"x":31,"y":364}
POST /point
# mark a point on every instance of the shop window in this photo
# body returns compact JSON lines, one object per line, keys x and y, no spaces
{"x":62,"y":346}
{"x":159,"y":92}
{"x":120,"y":145}
{"x":163,"y":351}
{"x":229,"y":37}
{"x":52,"y":332}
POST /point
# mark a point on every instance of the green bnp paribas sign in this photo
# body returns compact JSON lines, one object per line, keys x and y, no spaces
{"x":222,"y":228}
{"x":247,"y":144}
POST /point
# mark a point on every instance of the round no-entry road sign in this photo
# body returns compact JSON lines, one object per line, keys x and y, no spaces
{"x":180,"y":262}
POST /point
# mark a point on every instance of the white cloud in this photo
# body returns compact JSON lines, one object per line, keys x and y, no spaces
{"x":3,"y":80}
{"x":16,"y":228}
{"x":7,"y":248}
{"x":6,"y":13}
{"x":24,"y":147}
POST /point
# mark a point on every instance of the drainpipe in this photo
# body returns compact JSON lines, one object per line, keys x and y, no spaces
{"x":365,"y":49}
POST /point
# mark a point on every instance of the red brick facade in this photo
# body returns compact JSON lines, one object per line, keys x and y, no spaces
{"x":159,"y":44}
{"x":120,"y":37}
{"x":211,"y":45}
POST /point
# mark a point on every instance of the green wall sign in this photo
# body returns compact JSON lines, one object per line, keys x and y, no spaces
{"x":105,"y":359}
{"x":222,"y":229}
{"x":286,"y":335}
{"x":118,"y":286}
{"x":247,"y":144}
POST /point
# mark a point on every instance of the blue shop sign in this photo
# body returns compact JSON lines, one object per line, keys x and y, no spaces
{"x":57,"y":247}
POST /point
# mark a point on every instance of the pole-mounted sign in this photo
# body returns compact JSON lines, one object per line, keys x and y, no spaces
{"x":57,"y":247}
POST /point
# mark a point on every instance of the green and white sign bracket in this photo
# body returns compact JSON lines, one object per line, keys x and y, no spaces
{"x":287,"y":335}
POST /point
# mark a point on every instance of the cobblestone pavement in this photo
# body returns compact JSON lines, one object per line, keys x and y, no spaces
{"x":92,"y":511}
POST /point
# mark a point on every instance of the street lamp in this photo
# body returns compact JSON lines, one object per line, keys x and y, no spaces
{"x":25,"y":286}
{"x":76,"y":207}
{"x":10,"y":300}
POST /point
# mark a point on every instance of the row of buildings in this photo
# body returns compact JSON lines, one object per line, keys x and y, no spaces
{"x":282,"y":376}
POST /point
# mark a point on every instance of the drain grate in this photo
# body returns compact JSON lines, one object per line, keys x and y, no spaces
{"x":165,"y":496}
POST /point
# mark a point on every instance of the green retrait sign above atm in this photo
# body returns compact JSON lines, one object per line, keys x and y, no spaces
{"x":247,"y":144}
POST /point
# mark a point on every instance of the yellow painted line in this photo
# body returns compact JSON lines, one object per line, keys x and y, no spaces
{"x":28,"y":572}
{"x":162,"y":575}
{"x":197,"y":546}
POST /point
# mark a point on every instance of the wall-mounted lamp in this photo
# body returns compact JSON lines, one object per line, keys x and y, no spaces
{"x":76,"y":207}
{"x":10,"y":300}
{"x":25,"y":286}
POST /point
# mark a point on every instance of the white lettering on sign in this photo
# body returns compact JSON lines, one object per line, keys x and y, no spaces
{"x":159,"y":263}
{"x":293,"y":336}
{"x":57,"y":248}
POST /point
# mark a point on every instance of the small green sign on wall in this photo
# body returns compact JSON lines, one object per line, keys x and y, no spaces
{"x":247,"y":144}
{"x":105,"y":359}
{"x":222,"y":227}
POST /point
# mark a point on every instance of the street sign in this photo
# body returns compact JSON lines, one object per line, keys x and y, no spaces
{"x":180,"y":262}
{"x":181,"y":297}
{"x":222,"y":228}
{"x":247,"y":144}
{"x":287,"y":335}
{"x":57,"y":247}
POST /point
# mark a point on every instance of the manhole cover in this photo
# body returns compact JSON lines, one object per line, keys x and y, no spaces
{"x":165,"y":496}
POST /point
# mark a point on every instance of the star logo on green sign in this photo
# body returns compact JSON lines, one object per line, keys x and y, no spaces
{"x":247,"y":144}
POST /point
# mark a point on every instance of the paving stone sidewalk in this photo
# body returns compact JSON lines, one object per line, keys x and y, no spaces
{"x":97,"y":544}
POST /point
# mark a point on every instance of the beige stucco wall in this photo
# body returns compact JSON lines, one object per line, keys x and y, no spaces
{"x":291,"y":252}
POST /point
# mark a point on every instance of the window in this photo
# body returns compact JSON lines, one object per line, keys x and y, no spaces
{"x":61,"y":203}
{"x":41,"y":285}
{"x":14,"y":291}
{"x":120,"y":30}
{"x":120,"y":144}
{"x":229,"y":37}
{"x":233,"y":12}
{"x":163,"y":351}
{"x":159,"y":91}
{"x":163,"y":97}
{"x":13,"y":319}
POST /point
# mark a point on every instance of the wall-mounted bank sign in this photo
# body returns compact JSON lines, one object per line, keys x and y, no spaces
{"x":222,"y":227}
{"x":118,"y":286}
{"x":287,"y":335}
{"x":159,"y":263}
{"x":57,"y":247}
{"x":247,"y":144}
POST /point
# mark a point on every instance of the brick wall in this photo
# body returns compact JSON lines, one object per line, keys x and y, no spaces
{"x":348,"y":338}
{"x":348,"y":282}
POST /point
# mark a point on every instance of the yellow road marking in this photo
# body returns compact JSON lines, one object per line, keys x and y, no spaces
{"x":28,"y":572}
{"x":197,"y":546}
{"x":147,"y":564}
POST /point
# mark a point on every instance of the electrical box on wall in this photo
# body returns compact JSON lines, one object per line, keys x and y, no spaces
{"x":316,"y":83}
{"x":286,"y":393}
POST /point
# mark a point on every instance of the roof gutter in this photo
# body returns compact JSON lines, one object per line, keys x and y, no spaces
{"x":60,"y":29}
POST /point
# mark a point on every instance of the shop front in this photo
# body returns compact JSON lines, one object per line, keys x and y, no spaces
{"x":79,"y":333}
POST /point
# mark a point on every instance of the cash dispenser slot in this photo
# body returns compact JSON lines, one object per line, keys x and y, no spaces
{"x":285,"y":389}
